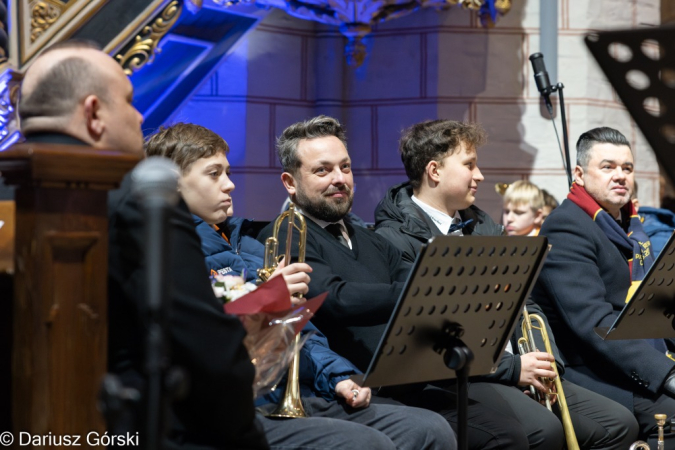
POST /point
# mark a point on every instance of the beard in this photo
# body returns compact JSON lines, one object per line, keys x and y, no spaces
{"x":325,"y":208}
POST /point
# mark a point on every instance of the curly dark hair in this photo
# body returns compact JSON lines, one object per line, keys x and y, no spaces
{"x":433,"y":140}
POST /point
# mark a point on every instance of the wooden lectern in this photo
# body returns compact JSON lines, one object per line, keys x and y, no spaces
{"x":60,"y":307}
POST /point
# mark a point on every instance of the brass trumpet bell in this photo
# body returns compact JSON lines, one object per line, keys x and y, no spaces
{"x":290,"y":406}
{"x":526,"y":344}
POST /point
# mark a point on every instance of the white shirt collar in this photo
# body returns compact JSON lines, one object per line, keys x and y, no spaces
{"x":440,"y":219}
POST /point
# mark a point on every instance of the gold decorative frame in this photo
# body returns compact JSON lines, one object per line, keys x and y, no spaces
{"x":154,"y":9}
{"x":43,"y":16}
{"x":37,"y":23}
{"x":142,"y":49}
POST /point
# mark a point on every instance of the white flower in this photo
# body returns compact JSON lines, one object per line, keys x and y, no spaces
{"x":230,"y":287}
{"x":233,"y":282}
{"x":219,"y":291}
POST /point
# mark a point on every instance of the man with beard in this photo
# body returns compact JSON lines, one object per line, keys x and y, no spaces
{"x":362,"y":272}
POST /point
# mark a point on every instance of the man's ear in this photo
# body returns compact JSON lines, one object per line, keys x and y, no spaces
{"x":431,"y":171}
{"x":579,"y":175}
{"x":92,"y":112}
{"x":289,"y":182}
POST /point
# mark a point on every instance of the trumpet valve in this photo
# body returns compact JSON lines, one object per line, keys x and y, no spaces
{"x":264,"y":274}
{"x":660,"y":422}
{"x":660,"y":419}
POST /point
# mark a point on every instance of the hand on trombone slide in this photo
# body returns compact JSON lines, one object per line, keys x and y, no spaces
{"x":297,"y":278}
{"x":536,"y":370}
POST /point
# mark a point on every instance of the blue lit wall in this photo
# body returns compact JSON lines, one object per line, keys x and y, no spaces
{"x":187,"y":55}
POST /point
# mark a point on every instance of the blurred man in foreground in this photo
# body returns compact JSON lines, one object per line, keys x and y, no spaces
{"x":77,"y":95}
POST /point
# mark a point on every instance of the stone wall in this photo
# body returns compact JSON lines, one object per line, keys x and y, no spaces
{"x":431,"y":64}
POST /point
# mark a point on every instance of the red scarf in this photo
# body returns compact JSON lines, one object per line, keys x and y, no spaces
{"x":634,"y":245}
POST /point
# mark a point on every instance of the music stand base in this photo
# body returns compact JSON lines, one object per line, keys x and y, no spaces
{"x":458,"y":357}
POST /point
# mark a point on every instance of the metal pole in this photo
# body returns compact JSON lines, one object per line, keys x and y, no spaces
{"x":548,"y":36}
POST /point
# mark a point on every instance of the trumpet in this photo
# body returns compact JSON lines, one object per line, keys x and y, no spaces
{"x":525,"y":345}
{"x":291,"y":404}
{"x":500,"y":188}
{"x":660,"y":443}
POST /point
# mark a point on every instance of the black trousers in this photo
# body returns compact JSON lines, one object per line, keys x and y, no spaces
{"x":598,"y":422}
{"x":488,"y":429}
{"x":503,"y":417}
{"x":380,"y":426}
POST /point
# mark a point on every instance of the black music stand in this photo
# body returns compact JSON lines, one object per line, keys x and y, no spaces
{"x":650,"y":313}
{"x":456,"y":313}
{"x":640,"y":65}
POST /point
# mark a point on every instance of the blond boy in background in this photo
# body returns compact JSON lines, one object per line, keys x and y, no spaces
{"x":523,"y":209}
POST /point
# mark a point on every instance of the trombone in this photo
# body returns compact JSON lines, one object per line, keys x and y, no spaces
{"x":526,"y":345}
{"x":291,"y":404}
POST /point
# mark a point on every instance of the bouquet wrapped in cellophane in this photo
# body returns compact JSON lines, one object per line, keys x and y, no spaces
{"x":271,"y":324}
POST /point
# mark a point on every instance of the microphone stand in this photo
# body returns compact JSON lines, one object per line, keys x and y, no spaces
{"x":566,"y":162}
{"x":546,"y":89}
{"x":157,"y":239}
{"x":155,"y":187}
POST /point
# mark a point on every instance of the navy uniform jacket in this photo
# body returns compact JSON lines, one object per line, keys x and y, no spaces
{"x":583,"y":285}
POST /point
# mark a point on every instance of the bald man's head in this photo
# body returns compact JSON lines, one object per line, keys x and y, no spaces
{"x":76,"y":89}
{"x":55,"y":91}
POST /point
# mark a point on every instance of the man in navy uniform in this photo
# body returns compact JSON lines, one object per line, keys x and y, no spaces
{"x":599,"y":250}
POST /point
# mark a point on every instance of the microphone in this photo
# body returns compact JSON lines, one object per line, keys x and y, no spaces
{"x":545,"y":89}
{"x":540,"y":74}
{"x":155,"y":182}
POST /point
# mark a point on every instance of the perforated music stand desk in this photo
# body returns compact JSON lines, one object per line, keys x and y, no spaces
{"x":640,"y":65}
{"x":462,"y":299}
{"x":650,"y":313}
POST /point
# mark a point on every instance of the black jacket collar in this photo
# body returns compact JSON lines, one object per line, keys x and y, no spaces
{"x":53,"y":138}
{"x":397,"y":207}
